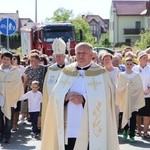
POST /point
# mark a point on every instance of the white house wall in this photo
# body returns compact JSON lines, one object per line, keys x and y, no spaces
{"x":146,"y":24}
{"x":125,"y":22}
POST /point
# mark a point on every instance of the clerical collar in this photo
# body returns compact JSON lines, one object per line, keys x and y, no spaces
{"x":61,"y":66}
{"x":84,"y":68}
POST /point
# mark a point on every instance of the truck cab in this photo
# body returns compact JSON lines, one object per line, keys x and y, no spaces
{"x":41,"y":37}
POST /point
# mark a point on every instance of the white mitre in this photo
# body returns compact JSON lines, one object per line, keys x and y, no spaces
{"x":59,"y":46}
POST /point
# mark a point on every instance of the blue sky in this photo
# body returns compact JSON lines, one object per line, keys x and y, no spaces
{"x":47,"y":7}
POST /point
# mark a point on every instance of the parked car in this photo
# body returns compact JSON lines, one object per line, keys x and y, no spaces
{"x":3,"y":49}
{"x":98,"y":49}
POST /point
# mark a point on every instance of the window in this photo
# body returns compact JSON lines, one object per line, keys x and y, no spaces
{"x":128,"y":41}
{"x":49,"y":36}
{"x":94,"y":29}
{"x":138,"y":25}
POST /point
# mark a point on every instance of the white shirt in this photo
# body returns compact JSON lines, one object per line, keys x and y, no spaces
{"x":75,"y":111}
{"x":34,"y":100}
{"x":21,"y":70}
{"x":145,"y":76}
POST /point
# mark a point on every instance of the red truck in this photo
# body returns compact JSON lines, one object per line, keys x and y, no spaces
{"x":41,"y":36}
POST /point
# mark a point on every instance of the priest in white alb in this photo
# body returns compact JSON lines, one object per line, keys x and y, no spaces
{"x":80,"y":113}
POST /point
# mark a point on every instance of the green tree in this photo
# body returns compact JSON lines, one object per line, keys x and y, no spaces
{"x":104,"y":41}
{"x":19,"y":51}
{"x":61,"y":14}
{"x":144,"y":39}
{"x":11,"y":38}
{"x":81,"y":23}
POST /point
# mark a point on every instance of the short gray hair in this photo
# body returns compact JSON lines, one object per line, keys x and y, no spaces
{"x":85,"y":44}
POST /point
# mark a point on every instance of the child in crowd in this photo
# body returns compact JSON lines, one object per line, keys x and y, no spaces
{"x":34,"y":105}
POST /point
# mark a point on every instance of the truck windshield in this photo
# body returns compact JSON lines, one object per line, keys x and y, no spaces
{"x":49,"y":36}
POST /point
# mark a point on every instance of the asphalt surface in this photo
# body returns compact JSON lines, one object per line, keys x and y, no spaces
{"x":23,"y":140}
{"x":138,"y":144}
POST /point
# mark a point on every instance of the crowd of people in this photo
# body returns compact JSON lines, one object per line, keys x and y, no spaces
{"x":82,"y":101}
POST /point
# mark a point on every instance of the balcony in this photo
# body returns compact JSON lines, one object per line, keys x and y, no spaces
{"x":132,"y":31}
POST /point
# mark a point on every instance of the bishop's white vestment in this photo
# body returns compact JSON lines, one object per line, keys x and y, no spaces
{"x":50,"y":80}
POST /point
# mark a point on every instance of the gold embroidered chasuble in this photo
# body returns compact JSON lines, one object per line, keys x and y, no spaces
{"x":50,"y":80}
{"x":98,"y":125}
{"x":11,"y":88}
{"x":129,"y":96}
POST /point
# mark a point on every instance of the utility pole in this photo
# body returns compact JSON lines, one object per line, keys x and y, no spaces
{"x":114,"y":23}
{"x":0,"y":39}
{"x":35,"y":10}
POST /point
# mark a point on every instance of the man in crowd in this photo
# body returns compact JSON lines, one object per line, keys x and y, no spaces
{"x":143,"y":70}
{"x":59,"y":48}
{"x":80,"y":112}
{"x":11,"y":89}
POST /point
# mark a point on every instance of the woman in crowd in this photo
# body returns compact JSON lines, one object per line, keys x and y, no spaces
{"x":16,"y":62}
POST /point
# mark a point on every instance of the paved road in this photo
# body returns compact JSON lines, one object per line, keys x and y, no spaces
{"x":139,"y":144}
{"x":22,"y":140}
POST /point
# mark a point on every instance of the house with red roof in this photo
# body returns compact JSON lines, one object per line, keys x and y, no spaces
{"x":128,"y":18}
